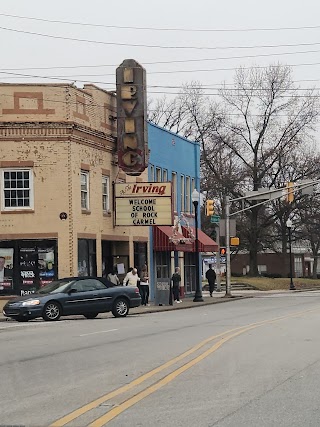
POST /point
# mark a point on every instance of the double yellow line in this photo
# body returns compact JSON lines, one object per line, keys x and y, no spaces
{"x":225,"y":336}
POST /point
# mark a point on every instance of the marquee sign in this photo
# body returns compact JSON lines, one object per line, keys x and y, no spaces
{"x":132,"y":140}
{"x":143,"y":203}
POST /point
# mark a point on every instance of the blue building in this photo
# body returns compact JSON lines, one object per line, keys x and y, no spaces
{"x":176,"y":159}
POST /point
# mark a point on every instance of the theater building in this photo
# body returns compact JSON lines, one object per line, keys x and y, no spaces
{"x":58,"y":163}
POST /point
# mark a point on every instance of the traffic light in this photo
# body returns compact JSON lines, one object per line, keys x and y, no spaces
{"x":223,"y":251}
{"x":290,"y":193}
{"x":209,"y":207}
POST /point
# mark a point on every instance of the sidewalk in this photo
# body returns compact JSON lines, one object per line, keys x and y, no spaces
{"x":187,"y":302}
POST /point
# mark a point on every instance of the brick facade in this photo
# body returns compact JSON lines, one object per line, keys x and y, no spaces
{"x":56,"y":131}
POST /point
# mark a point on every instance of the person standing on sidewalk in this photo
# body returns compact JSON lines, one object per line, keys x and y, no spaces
{"x":113,"y":277}
{"x":131,"y":278}
{"x":144,"y":286}
{"x":211,"y":277}
{"x":176,"y":279}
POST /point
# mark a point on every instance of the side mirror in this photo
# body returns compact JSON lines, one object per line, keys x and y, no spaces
{"x":72,"y":291}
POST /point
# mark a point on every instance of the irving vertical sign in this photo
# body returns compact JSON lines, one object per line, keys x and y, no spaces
{"x":132,"y":117}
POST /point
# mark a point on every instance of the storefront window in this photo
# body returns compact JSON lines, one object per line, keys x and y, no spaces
{"x":87,"y":264}
{"x":6,"y":268}
{"x":28,"y":265}
{"x":140,"y":255}
{"x":162,"y":264}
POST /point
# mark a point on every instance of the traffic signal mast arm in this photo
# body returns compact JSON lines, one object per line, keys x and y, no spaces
{"x":296,"y":187}
{"x":285,"y":191}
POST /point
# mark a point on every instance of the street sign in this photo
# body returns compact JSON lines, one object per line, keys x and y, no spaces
{"x":215,"y":219}
{"x":222,"y":227}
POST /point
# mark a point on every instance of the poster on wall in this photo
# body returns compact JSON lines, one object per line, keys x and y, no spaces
{"x":46,"y":265}
{"x":28,"y":266}
{"x":82,"y":268}
{"x":6,"y":268}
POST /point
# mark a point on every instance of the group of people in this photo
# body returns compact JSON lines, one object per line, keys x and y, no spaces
{"x":132,"y":279}
{"x":142,"y":283}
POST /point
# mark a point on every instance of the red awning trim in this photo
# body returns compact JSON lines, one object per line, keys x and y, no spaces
{"x":205,"y":243}
{"x":161,"y":240}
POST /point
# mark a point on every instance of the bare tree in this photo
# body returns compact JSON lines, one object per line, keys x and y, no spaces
{"x":249,"y":136}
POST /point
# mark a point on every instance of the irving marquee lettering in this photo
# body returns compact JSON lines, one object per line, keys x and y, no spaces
{"x":149,"y":189}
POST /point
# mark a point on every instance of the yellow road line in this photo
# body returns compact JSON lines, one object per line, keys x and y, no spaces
{"x":94,"y":404}
{"x":164,"y":381}
{"x":78,"y":412}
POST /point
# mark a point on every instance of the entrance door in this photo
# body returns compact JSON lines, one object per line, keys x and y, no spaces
{"x":189,"y":272}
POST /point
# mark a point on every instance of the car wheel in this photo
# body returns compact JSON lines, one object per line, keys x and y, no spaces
{"x":120,"y":307}
{"x":51,"y":311}
{"x":22,"y":319}
{"x":91,"y":315}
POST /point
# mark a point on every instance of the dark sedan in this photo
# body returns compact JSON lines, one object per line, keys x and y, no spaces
{"x":88,"y":296}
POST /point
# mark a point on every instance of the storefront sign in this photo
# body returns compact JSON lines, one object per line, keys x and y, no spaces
{"x":145,"y":203}
{"x":132,"y":138}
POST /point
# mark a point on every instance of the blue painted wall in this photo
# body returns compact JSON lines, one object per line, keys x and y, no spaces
{"x":175,"y":154}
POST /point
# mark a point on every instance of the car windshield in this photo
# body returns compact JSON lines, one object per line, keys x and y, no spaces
{"x":55,"y":287}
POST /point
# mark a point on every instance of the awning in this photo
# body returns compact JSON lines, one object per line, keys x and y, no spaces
{"x":161,"y":240}
{"x":205,"y":243}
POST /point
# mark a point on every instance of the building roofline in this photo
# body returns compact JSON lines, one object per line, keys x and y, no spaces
{"x":63,"y":85}
{"x":40,"y":84}
{"x":173,"y":134}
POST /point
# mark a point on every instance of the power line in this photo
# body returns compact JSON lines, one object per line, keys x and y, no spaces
{"x":161,"y":72}
{"x":161,"y":62}
{"x":165,"y":62}
{"x":216,"y":86}
{"x":177,"y":93}
{"x":127,"y":27}
{"x":157,"y":46}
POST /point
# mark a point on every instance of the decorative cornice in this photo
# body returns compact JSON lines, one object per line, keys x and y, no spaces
{"x":39,"y":131}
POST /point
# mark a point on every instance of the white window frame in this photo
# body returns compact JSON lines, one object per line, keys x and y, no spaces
{"x":174,"y":190}
{"x":151,"y":173}
{"x":106,"y":196}
{"x":158,"y":175}
{"x":182,"y":193}
{"x":188,"y":193}
{"x":31,"y":190}
{"x":85,"y":173}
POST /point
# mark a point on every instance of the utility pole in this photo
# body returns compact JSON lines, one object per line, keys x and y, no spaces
{"x":218,"y":260}
{"x":228,"y":261}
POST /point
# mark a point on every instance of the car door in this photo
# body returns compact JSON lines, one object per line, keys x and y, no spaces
{"x":98,"y":298}
{"x":74,"y":299}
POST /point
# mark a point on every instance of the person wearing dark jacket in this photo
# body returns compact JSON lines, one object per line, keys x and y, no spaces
{"x":176,"y":279}
{"x":211,"y":277}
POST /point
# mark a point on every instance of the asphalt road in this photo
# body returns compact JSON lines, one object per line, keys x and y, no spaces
{"x":253,"y":362}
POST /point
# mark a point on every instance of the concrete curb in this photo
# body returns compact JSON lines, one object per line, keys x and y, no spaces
{"x":158,"y":309}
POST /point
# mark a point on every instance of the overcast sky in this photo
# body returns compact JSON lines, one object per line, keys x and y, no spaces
{"x":21,"y":50}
